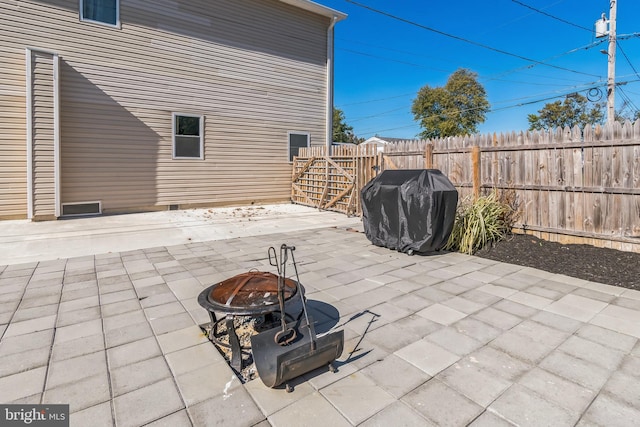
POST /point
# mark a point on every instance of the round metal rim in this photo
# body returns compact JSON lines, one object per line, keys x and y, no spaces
{"x":204,"y":302}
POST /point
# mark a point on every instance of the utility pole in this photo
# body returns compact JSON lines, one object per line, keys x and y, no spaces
{"x":611,"y":68}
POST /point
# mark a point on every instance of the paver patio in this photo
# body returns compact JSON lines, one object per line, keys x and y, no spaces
{"x":446,"y":339}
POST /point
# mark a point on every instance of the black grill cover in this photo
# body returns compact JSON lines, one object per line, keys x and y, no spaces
{"x":409,"y":210}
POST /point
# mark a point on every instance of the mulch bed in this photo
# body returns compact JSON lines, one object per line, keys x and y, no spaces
{"x":602,"y":265}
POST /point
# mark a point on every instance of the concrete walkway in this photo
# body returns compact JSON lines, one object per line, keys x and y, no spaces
{"x":25,"y":241}
{"x":447,"y":339}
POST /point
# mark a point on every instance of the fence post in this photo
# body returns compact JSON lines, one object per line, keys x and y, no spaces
{"x":475,"y":157}
{"x":428,"y":156}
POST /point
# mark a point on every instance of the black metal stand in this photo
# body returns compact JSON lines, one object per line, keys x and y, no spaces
{"x":234,"y":341}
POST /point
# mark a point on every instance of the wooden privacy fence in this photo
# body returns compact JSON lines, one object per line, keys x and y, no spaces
{"x":572,"y":185}
{"x":333,"y":182}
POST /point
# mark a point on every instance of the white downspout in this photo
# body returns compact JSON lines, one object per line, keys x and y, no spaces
{"x":329,"y":118}
{"x":56,"y":135}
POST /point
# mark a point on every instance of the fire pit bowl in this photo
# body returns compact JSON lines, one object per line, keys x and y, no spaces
{"x":250,"y":294}
{"x":247,"y":294}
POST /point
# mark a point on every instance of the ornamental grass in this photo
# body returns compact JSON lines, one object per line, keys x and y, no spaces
{"x":483,"y":222}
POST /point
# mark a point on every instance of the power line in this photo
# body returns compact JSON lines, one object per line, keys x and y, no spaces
{"x":520,"y":104}
{"x":377,"y":100}
{"x":530,"y":83}
{"x":378,"y":131}
{"x":552,"y":16}
{"x":586,"y":47}
{"x":570,"y":89}
{"x":392,"y":60}
{"x":627,"y":100}
{"x":424,"y":27}
{"x":627,"y":58}
{"x":505,"y":23}
{"x":404,"y":95}
{"x":589,"y":46}
{"x":357,"y":119}
{"x":413,"y":54}
{"x":467,"y":109}
{"x":526,"y":67}
{"x":627,"y":36}
{"x":556,"y":94}
{"x":450,"y":71}
{"x":481,"y":77}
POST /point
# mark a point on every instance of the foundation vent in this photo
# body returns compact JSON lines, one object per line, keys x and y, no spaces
{"x":82,"y":208}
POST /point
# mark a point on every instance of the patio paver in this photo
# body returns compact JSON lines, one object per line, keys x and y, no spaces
{"x":442,"y":405}
{"x":447,"y":339}
{"x":160,"y":399}
{"x":524,"y":408}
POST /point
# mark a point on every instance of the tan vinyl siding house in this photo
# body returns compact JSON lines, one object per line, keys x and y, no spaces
{"x":187,"y":103}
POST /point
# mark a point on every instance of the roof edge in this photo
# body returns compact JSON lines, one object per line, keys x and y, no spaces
{"x":317,"y":8}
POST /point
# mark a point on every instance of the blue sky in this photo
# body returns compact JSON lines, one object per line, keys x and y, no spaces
{"x":381,"y":62}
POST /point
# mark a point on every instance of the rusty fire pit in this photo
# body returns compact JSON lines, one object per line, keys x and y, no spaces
{"x":252,"y":294}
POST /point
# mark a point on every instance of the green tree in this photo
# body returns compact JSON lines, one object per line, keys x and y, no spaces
{"x":342,"y":132}
{"x":574,"y":110}
{"x":453,"y":109}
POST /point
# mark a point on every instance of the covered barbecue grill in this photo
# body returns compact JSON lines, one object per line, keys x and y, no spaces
{"x":409,"y":210}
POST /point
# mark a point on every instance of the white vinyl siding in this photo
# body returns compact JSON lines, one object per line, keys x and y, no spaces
{"x":13,"y":133}
{"x":254,"y":69}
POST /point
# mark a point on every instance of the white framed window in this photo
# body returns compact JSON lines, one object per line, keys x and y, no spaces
{"x":188,"y":136}
{"x":297,"y":140}
{"x":101,"y":11}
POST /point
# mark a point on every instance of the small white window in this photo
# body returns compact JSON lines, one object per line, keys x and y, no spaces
{"x":188,"y":136}
{"x":102,"y":11}
{"x":297,"y":140}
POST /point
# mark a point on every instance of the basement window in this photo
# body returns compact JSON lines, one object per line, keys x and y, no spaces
{"x":297,"y":140}
{"x":100,"y":11}
{"x":188,"y":142}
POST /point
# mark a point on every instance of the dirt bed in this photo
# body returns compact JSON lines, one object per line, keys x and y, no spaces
{"x":601,"y":265}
